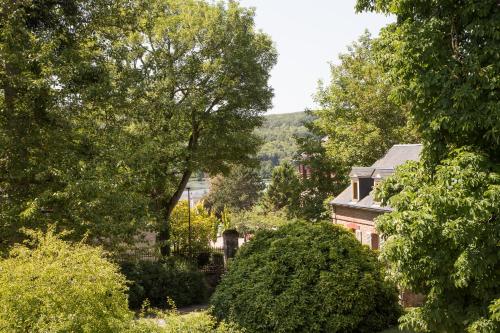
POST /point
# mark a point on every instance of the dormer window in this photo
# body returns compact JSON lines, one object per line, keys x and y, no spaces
{"x":355,"y":192}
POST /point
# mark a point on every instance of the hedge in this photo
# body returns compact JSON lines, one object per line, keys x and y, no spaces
{"x":306,"y":278}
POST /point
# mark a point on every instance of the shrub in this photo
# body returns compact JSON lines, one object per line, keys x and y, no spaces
{"x":156,"y":281}
{"x":306,"y":278}
{"x":54,"y":286}
{"x":203,"y":228}
{"x":172,"y":322}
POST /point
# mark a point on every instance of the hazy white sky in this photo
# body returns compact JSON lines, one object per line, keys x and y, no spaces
{"x":308,"y":35}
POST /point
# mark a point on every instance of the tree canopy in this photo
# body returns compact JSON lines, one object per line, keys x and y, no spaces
{"x":442,"y":237}
{"x":358,"y":114}
{"x":61,"y":103}
{"x":240,"y":190}
{"x":107,"y":107}
{"x":205,"y":86}
{"x":284,"y":190}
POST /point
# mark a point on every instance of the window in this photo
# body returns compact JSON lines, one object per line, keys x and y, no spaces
{"x":354,"y":190}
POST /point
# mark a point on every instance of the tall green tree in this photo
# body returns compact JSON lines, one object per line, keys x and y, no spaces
{"x":203,"y":88}
{"x":284,"y":190}
{"x":442,"y":237}
{"x":327,"y":177}
{"x":108,"y":106}
{"x":358,"y":113}
{"x":239,"y":190}
{"x":59,"y":101}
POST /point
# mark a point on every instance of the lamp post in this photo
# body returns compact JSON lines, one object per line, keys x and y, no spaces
{"x":189,"y":220}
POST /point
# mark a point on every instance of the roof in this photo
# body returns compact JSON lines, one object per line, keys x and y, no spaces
{"x":397,"y":155}
{"x":361,"y":172}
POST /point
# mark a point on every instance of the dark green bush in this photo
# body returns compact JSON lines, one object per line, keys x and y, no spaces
{"x":306,"y":278}
{"x":156,"y":281}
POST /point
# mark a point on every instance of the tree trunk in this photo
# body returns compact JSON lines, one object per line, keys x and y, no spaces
{"x":164,"y":235}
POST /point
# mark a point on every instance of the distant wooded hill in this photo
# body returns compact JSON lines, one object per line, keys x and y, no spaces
{"x":278,"y":133}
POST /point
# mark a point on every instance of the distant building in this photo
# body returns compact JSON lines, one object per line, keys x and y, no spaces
{"x":355,"y":207}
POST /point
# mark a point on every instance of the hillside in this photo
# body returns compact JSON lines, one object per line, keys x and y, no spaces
{"x":278,"y":133}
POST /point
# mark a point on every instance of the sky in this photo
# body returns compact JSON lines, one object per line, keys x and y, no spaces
{"x":308,"y":35}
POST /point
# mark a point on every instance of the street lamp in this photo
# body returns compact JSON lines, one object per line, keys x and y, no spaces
{"x":189,"y":220}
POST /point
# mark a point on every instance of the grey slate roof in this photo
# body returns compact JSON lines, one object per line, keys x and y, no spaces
{"x":397,"y":155}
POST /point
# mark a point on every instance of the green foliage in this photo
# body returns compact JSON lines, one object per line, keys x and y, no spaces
{"x":284,"y":189}
{"x":172,"y":322}
{"x":306,"y":278}
{"x":454,"y":211}
{"x":205,"y":86}
{"x":327,"y":177}
{"x":239,"y":190}
{"x":277,"y":133}
{"x":54,"y":286}
{"x":203,"y":228}
{"x":358,"y":116}
{"x":107,"y":107}
{"x":258,"y":218}
{"x":443,"y":59}
{"x":58,"y":131}
{"x":156,"y":281}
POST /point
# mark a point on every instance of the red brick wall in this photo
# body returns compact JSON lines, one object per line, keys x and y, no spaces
{"x":358,"y":219}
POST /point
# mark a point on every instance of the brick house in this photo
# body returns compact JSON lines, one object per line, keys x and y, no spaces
{"x":355,"y":207}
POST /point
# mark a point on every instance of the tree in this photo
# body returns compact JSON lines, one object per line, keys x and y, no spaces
{"x":442,"y":240}
{"x":358,"y":114}
{"x":51,"y":285}
{"x":443,"y":60}
{"x":60,"y":101}
{"x":204,"y":86}
{"x":239,"y":190}
{"x":249,"y":222}
{"x":107,"y":107}
{"x":306,"y":277}
{"x":284,"y":189}
{"x":325,"y":179}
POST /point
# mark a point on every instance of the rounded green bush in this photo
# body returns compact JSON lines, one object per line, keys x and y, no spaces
{"x":55,"y":286}
{"x":306,"y":278}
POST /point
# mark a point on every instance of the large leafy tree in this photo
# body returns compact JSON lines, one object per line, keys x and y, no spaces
{"x":284,"y":190}
{"x":239,"y":190}
{"x":58,"y":103}
{"x":108,"y":106}
{"x":358,"y":113}
{"x":327,"y":177}
{"x":204,"y":86}
{"x":442,"y":237}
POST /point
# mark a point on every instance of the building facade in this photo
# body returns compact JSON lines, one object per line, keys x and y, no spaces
{"x":356,"y":208}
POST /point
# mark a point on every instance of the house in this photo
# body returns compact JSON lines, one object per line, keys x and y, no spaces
{"x":355,"y":207}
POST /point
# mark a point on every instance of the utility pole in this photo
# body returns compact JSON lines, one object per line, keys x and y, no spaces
{"x":189,"y":220}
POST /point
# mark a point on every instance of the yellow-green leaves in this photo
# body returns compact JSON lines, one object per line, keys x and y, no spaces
{"x":55,"y":286}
